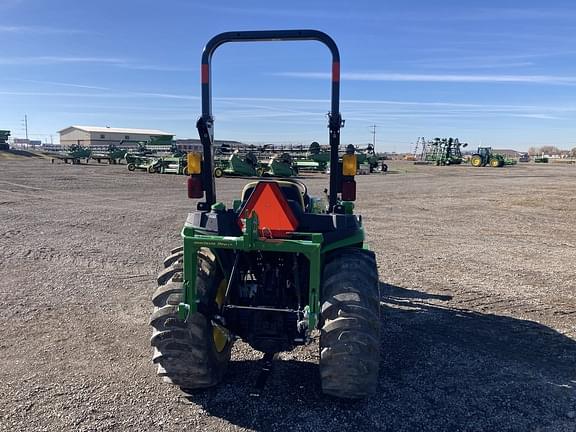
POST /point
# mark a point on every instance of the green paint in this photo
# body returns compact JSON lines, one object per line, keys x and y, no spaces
{"x":308,"y":244}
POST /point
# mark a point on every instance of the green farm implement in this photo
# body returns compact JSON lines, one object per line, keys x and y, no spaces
{"x":144,"y":163}
{"x":280,"y":165}
{"x":112,"y":154}
{"x":171,"y":165}
{"x":271,"y":267}
{"x":238,"y":165}
{"x":445,"y":151}
{"x":75,"y":153}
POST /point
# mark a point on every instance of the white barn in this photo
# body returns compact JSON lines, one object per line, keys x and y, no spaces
{"x":97,"y":136}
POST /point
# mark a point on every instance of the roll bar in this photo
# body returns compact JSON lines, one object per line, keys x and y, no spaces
{"x":205,"y":124}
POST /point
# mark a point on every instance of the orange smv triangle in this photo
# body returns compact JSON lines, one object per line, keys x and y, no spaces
{"x":275,"y":217}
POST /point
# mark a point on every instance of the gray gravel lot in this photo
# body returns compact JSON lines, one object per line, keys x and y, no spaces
{"x":477,"y":268}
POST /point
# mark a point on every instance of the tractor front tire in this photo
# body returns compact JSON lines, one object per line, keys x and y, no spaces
{"x":350,"y":324}
{"x":190,"y":354}
{"x":131,"y":167}
{"x":218,"y":172}
{"x":496,"y":163}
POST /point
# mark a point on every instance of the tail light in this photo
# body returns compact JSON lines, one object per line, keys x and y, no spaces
{"x":195,"y":189}
{"x":349,"y":189}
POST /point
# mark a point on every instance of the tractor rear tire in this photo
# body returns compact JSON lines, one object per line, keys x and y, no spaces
{"x":350,"y":324}
{"x":187,"y":352}
{"x":476,"y":161}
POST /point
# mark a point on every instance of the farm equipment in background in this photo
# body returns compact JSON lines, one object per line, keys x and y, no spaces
{"x":238,"y":165}
{"x":112,"y":154}
{"x":75,"y":153}
{"x":144,"y":163}
{"x":4,"y":135}
{"x":485,"y":156}
{"x":524,"y":157}
{"x":444,"y":151}
{"x":171,"y":165}
{"x":541,"y":159}
{"x":280,"y":165}
{"x":270,"y":269}
{"x":315,"y":159}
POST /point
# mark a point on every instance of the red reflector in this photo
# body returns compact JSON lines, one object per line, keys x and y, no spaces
{"x":349,"y":190}
{"x":195,"y":189}
{"x":275,"y":217}
{"x":205,"y":74}
{"x":335,"y":71}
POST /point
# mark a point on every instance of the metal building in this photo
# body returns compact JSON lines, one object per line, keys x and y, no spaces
{"x":97,"y":136}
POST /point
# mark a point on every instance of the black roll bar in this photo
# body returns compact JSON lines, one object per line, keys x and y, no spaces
{"x":205,"y":124}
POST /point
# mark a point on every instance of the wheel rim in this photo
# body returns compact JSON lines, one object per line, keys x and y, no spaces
{"x":218,"y":335}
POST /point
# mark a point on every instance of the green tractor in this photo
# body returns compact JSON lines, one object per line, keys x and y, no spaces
{"x":484,"y":156}
{"x":271,"y":268}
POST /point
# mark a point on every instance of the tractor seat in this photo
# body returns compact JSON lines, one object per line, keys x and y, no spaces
{"x":291,"y":191}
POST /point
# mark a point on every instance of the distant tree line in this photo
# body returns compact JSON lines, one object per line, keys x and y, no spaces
{"x":551,"y":150}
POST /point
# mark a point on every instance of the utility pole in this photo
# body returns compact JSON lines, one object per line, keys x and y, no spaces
{"x":25,"y":124}
{"x":373,"y":127}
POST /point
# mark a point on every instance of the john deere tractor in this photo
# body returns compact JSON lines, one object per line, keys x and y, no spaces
{"x":271,"y":268}
{"x":484,"y":156}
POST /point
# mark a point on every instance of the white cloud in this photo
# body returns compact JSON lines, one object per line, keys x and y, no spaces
{"x":38,"y":30}
{"x":63,"y":84}
{"x":384,"y":76}
{"x":159,"y":68}
{"x":47,"y":60}
{"x":121,"y":62}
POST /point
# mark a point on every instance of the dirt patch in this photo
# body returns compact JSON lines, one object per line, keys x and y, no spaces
{"x":478,"y":302}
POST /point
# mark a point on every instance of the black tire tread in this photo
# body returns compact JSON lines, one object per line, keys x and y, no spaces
{"x":183,"y":351}
{"x":350,"y":324}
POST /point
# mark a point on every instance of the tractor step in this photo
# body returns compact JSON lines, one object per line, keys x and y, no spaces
{"x":265,"y":371}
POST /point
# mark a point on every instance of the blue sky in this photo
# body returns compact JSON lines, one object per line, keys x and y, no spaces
{"x":498,"y":73}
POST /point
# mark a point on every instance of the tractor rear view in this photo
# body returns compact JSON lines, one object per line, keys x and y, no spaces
{"x":271,"y":268}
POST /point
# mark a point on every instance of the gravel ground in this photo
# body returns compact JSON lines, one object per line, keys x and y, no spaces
{"x":478,"y":305}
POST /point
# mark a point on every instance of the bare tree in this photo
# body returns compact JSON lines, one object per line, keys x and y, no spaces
{"x":550,"y":150}
{"x":534,"y":151}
